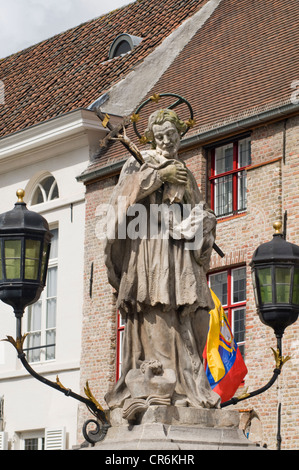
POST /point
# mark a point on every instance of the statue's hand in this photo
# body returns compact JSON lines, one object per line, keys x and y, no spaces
{"x":175,"y":173}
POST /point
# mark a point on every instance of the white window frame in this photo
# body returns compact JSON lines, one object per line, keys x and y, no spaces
{"x":53,"y":263}
{"x":39,"y":435}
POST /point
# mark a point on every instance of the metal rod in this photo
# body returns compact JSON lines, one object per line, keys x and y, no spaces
{"x":276,"y":373}
{"x":278,"y":437}
{"x":67,"y":392}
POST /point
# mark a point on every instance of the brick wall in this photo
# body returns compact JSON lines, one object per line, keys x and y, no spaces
{"x":273,"y":182}
{"x":99,"y":315}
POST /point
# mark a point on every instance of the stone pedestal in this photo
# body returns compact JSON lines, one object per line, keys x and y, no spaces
{"x":177,"y":428}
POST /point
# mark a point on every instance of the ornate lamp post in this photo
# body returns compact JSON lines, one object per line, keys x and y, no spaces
{"x":24,"y":253}
{"x":275,"y":277}
{"x":25,"y":241}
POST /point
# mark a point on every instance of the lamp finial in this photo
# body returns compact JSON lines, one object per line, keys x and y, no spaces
{"x":20,"y":194}
{"x":277,"y":227}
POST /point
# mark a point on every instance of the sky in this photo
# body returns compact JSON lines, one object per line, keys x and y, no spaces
{"x":27,"y":22}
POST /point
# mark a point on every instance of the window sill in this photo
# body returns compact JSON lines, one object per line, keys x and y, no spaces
{"x":231,"y":217}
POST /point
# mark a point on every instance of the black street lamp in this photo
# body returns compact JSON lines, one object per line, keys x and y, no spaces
{"x":25,"y":241}
{"x":275,"y":278}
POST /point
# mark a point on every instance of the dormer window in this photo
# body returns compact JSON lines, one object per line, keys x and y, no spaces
{"x":123,"y":44}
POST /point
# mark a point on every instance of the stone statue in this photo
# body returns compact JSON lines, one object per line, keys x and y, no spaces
{"x":160,"y":275}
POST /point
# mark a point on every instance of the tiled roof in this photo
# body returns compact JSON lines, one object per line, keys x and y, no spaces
{"x":240,"y":62}
{"x":71,"y":70}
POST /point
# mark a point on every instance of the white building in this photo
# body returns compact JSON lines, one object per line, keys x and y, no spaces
{"x":45,"y":160}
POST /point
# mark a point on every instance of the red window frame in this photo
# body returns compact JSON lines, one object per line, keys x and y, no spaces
{"x":230,"y":306}
{"x":120,"y":330}
{"x":234,"y":172}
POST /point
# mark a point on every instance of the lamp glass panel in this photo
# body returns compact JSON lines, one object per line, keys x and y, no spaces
{"x":1,"y":262}
{"x":265,"y":284}
{"x":283,"y":284}
{"x":32,"y":252}
{"x":44,"y":261}
{"x":295,"y":296}
{"x":12,"y":253}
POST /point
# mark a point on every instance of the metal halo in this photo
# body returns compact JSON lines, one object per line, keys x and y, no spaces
{"x":156,"y":98}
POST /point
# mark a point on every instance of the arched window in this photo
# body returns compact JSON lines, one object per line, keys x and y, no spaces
{"x":122,"y":44}
{"x":46,"y":190}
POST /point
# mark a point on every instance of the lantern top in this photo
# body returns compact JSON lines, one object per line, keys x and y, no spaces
{"x":21,"y":220}
{"x":277,"y":226}
{"x":20,"y":194}
{"x":276,"y":250}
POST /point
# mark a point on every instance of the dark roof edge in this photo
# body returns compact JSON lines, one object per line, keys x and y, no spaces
{"x":240,"y":125}
{"x":200,"y":138}
{"x":104,"y":171}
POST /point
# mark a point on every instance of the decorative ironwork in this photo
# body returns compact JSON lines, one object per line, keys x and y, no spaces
{"x":92,"y":404}
{"x":156,"y":97}
{"x":279,"y":363}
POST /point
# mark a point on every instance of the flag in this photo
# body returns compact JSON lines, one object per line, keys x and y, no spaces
{"x":225,"y":367}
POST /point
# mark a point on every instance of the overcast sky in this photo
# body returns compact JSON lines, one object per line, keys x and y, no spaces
{"x":27,"y":22}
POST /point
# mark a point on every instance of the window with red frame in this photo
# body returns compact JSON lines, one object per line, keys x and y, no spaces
{"x":230,"y":288}
{"x":228,"y":177}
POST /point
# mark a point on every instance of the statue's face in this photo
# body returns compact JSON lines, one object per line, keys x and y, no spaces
{"x":167,"y":139}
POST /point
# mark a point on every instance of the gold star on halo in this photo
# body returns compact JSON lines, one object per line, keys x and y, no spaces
{"x":143,"y":140}
{"x":135,"y":117}
{"x":156,"y":97}
{"x":190,"y":122}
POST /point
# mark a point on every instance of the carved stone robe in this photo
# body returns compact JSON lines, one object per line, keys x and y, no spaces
{"x":162,"y":290}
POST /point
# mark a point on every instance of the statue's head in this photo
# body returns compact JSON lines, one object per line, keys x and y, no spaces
{"x":164,"y":131}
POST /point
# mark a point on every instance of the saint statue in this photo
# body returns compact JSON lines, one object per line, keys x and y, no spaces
{"x":160,"y":279}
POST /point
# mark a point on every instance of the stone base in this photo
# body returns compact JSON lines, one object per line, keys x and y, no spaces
{"x":177,"y":428}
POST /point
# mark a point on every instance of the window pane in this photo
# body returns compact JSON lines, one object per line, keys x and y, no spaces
{"x":223,"y":188}
{"x":295,"y":297}
{"x":34,"y":328}
{"x":218,"y":284}
{"x":122,"y":48}
{"x":54,"y":244}
{"x":31,"y":444}
{"x":265,"y":282}
{"x":34,"y":342}
{"x":32,"y":252}
{"x":239,"y":325}
{"x":244,"y":153}
{"x":283,"y":284}
{"x":38,"y":197}
{"x":13,"y":258}
{"x":1,"y":261}
{"x":35,"y":316}
{"x":54,"y":192}
{"x":51,"y":313}
{"x":47,"y":184}
{"x":52,"y":282}
{"x":120,"y":346}
{"x":242,"y":190}
{"x":239,"y":285}
{"x":224,"y":159}
{"x":50,"y":340}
